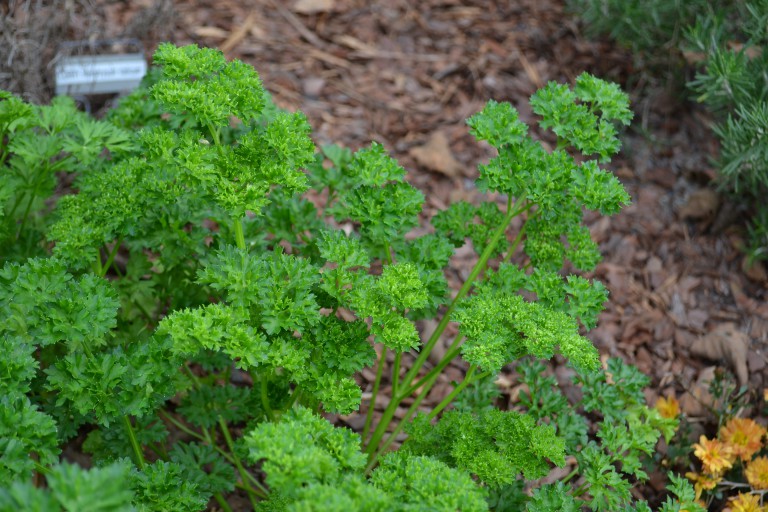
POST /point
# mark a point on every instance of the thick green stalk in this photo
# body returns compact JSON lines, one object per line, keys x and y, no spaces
{"x":396,"y":373}
{"x":295,"y":396}
{"x":382,"y":447}
{"x":111,"y":257}
{"x":43,"y":470}
{"x":476,"y":271}
{"x":374,"y":392}
{"x":449,"y":356}
{"x":479,"y":267}
{"x":468,"y":379}
{"x":239,"y":236}
{"x":264,"y":385}
{"x":207,"y":440}
{"x":222,"y":502}
{"x":134,"y":442}
{"x":252,"y":493}
{"x":380,"y":369}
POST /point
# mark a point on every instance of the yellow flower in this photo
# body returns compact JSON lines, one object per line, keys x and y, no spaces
{"x":715,"y":455}
{"x":703,"y":482}
{"x":744,"y":436}
{"x":746,"y":503}
{"x":757,"y":473}
{"x":668,"y":407}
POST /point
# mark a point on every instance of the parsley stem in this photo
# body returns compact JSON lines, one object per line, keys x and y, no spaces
{"x":207,"y":441}
{"x":518,"y":239}
{"x":476,"y":270}
{"x":396,"y":373}
{"x":240,"y":469}
{"x":468,"y":379}
{"x":134,"y":442}
{"x":41,"y":469}
{"x":375,"y":392}
{"x":264,"y":384}
{"x":450,"y":354}
{"x":239,"y":237}
{"x":176,"y":423}
{"x":389,"y":412}
{"x":111,"y":257}
{"x":382,"y":447}
{"x":222,"y":502}
{"x":294,"y":397}
{"x":214,"y":134}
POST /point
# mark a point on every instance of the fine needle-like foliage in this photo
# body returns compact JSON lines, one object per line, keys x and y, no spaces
{"x":191,"y":316}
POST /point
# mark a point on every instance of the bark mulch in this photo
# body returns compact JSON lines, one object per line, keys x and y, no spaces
{"x":407,"y":74}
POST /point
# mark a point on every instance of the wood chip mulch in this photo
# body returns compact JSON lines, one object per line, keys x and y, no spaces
{"x":407,"y":74}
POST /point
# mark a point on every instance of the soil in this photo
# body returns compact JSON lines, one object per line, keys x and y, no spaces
{"x":407,"y":74}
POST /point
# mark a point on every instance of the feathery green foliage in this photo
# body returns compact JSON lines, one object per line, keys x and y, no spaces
{"x":187,"y":288}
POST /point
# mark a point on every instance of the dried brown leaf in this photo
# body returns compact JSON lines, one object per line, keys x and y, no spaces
{"x":727,"y":344}
{"x":436,"y":155}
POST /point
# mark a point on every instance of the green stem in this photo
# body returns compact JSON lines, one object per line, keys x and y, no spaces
{"x":264,"y":383}
{"x":373,"y":457}
{"x":518,"y":239}
{"x":240,"y":469}
{"x":222,"y":502}
{"x":444,"y":321}
{"x":41,"y":469}
{"x":111,"y":257}
{"x":134,"y":442}
{"x":476,"y":270}
{"x":374,"y":392}
{"x":456,"y":390}
{"x":570,"y":475}
{"x":449,"y":356}
{"x":214,"y":134}
{"x":396,"y":373}
{"x":176,"y":423}
{"x":192,"y":376}
{"x":581,"y":490}
{"x":239,"y":236}
{"x":96,"y":264}
{"x":388,"y":251}
{"x":389,"y":412}
{"x":26,"y":213}
{"x":294,"y":397}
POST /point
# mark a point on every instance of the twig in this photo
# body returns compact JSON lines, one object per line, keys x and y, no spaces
{"x":298,"y":25}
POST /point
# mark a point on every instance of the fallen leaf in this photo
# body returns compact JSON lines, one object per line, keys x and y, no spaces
{"x":436,"y":155}
{"x":697,"y":398}
{"x":702,"y":204}
{"x":725,"y":343}
{"x":313,"y":6}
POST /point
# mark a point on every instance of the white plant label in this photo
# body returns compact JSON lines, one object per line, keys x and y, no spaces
{"x":99,"y":74}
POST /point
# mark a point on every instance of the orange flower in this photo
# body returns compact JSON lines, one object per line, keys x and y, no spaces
{"x":715,"y":455}
{"x":703,"y":482}
{"x":757,"y":473}
{"x":744,"y":436}
{"x":746,"y":503}
{"x":668,"y":407}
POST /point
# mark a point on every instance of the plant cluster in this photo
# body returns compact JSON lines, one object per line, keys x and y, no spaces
{"x":726,"y":41}
{"x":170,"y":298}
{"x":733,"y":465}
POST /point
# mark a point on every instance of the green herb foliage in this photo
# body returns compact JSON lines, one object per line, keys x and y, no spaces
{"x":187,"y":311}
